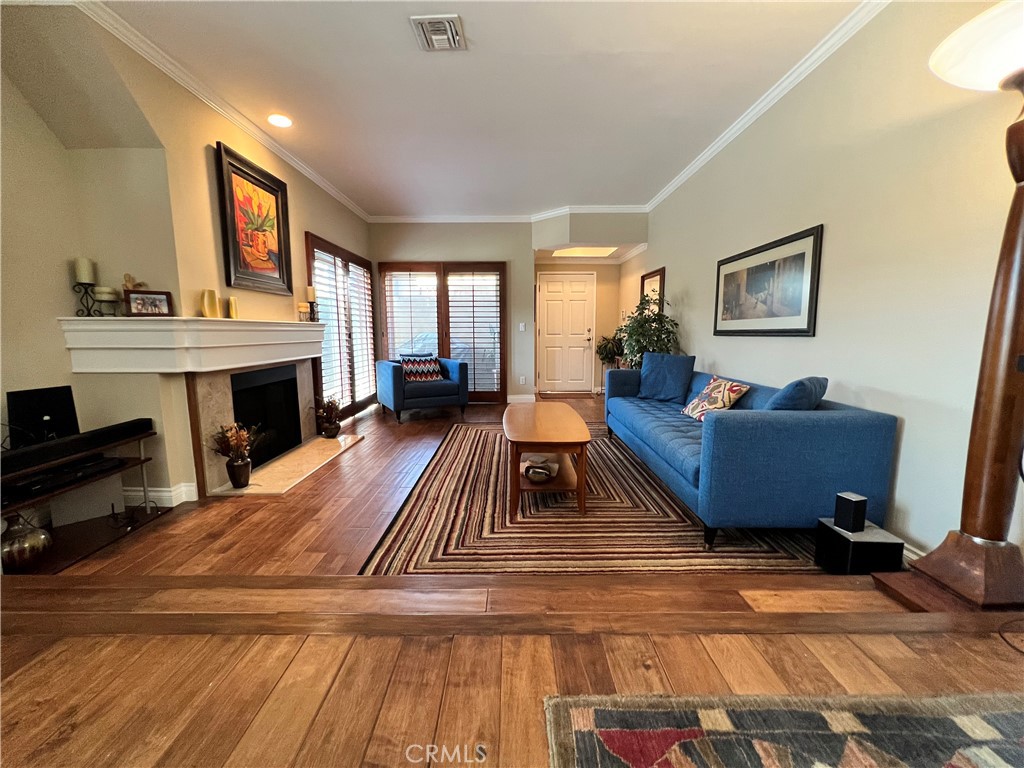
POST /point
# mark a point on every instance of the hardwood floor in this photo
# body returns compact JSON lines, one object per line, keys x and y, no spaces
{"x":358,"y":699}
{"x":223,"y":635}
{"x":326,"y":525}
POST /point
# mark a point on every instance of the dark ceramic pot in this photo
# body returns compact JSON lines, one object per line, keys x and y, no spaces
{"x":239,"y":471}
{"x":23,"y":544}
{"x":331,"y":430}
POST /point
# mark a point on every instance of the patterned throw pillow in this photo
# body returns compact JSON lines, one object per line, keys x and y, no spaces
{"x":718,"y":394}
{"x":421,"y":368}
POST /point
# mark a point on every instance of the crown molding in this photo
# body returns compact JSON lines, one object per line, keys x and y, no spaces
{"x":566,"y":210}
{"x":846,"y":29}
{"x":127,"y":34}
{"x":633,"y":252}
{"x":448,"y":219}
{"x":569,"y":261}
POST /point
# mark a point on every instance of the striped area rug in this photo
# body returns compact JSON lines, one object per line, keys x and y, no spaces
{"x":456,"y":520}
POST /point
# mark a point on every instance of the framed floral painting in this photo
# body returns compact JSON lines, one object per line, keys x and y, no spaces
{"x":254,"y":214}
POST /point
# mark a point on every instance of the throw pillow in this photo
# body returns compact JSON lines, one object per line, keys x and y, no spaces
{"x":719,"y":394}
{"x":421,"y":368}
{"x":799,"y":395}
{"x":665,"y":377}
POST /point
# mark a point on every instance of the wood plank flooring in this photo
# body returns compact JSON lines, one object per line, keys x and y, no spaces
{"x":349,"y":700}
{"x":221,"y":636}
{"x":327,"y":525}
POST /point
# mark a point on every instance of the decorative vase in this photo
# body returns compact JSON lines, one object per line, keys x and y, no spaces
{"x":209,"y":303}
{"x":332,"y":430}
{"x":22,"y":545}
{"x":239,"y":471}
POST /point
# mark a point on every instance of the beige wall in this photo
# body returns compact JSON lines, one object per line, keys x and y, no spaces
{"x":606,"y":315}
{"x":510,"y":243}
{"x":908,"y":176}
{"x":189,"y":131}
{"x":38,"y":232}
{"x":124,"y":205}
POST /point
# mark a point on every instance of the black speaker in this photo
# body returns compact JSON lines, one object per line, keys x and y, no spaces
{"x":850,"y":511}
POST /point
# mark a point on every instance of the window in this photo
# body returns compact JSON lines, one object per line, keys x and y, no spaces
{"x":345,"y":303}
{"x":451,"y":309}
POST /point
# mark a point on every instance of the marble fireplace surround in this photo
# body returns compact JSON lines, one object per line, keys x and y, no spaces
{"x":205,"y":352}
{"x":210,"y":407}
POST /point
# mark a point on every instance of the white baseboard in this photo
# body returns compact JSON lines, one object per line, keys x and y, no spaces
{"x":911,"y":553}
{"x":522,"y":399}
{"x":163,"y":497}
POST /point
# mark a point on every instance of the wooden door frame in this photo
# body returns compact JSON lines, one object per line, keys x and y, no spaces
{"x":536,"y":320}
{"x":442,"y":269}
{"x":316,"y":243}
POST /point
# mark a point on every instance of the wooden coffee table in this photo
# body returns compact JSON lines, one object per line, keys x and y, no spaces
{"x":547,"y":427}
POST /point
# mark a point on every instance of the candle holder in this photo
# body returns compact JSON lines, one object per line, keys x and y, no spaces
{"x":312,"y":313}
{"x":87,"y":299}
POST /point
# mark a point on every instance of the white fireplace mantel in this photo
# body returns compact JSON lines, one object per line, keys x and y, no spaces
{"x":185,"y":344}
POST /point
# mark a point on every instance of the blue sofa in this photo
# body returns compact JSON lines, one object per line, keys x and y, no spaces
{"x":752,"y":468}
{"x":394,"y":392}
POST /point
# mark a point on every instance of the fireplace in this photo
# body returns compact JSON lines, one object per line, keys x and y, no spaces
{"x":269,"y":398}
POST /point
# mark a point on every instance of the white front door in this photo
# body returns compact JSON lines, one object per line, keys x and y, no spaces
{"x":565,"y":331}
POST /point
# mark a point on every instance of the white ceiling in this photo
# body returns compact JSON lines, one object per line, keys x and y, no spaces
{"x":555,"y":104}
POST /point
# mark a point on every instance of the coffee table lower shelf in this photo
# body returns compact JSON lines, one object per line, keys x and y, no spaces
{"x":564,"y":480}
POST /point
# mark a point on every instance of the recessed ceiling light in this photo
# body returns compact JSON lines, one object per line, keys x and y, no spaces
{"x":586,"y":253}
{"x":281,"y":121}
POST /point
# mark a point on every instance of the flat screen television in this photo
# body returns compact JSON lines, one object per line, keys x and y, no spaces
{"x":38,"y":415}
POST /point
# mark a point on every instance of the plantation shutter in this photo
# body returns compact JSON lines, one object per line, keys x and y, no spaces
{"x":474,"y":322}
{"x":328,"y":277}
{"x":451,"y":309}
{"x":345,"y":307}
{"x":361,"y":302}
{"x":410,"y":301}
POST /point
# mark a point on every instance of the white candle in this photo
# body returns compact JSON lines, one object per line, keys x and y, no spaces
{"x":303,"y":306}
{"x":85,"y":270}
{"x":310,"y":293}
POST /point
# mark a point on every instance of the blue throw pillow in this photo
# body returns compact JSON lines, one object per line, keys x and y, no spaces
{"x":665,"y":377}
{"x":799,"y":395}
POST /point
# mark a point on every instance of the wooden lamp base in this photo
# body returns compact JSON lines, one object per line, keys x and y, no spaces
{"x":988,"y":573}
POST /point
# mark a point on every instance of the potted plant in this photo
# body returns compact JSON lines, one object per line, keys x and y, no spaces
{"x":235,"y":443}
{"x":647,"y":329}
{"x":328,"y":416}
{"x":609,"y":349}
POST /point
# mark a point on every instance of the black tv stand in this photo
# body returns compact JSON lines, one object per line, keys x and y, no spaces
{"x":35,"y":474}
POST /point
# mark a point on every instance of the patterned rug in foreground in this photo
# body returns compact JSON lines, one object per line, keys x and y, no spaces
{"x":772,"y":732}
{"x":456,"y":520}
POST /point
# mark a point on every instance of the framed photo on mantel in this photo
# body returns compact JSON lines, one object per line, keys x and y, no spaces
{"x":254,"y":216}
{"x":771,"y":290}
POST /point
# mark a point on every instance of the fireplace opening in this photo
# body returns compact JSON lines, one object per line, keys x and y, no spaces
{"x":268,"y":398}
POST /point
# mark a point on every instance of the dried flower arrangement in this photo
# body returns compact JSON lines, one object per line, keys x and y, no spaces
{"x":328,"y":411}
{"x":235,"y":442}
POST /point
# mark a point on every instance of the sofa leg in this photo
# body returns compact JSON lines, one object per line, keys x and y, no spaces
{"x":398,"y":416}
{"x":462,"y":410}
{"x":709,"y":537}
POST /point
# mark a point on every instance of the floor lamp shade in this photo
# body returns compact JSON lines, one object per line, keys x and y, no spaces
{"x":977,"y":562}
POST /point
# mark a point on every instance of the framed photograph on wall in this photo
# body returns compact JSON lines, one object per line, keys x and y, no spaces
{"x":148,"y":303}
{"x":771,"y":290}
{"x":653,"y":284}
{"x":254,"y":217}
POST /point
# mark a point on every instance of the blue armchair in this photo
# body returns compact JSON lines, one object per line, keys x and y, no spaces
{"x":394,"y":392}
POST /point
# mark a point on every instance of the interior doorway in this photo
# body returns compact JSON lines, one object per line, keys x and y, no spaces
{"x":566,"y":305}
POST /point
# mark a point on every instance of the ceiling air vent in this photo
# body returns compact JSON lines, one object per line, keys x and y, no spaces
{"x":439,"y":33}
